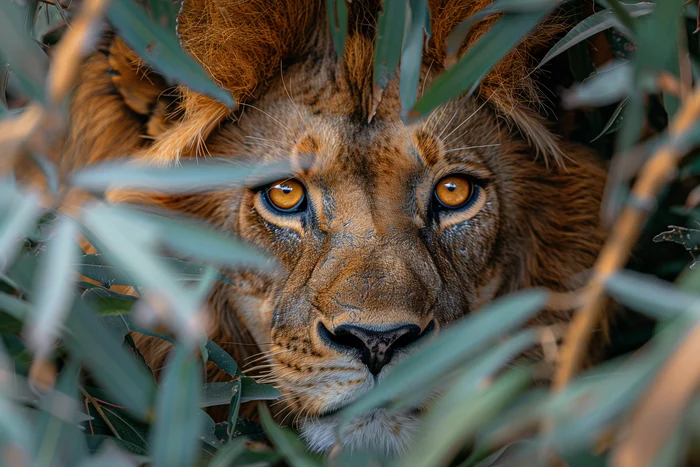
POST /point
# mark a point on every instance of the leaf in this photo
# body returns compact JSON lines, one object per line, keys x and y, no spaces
{"x":95,"y":441}
{"x":591,"y":26}
{"x":176,"y":431}
{"x":218,"y":393}
{"x":227,"y":455}
{"x":450,"y":348}
{"x":163,"y":12}
{"x":254,"y":391}
{"x":477,"y":61}
{"x":611,"y":83}
{"x":29,"y":64}
{"x":450,"y":421}
{"x":286,"y":442}
{"x":456,"y":38}
{"x":55,"y":291}
{"x":99,"y":268}
{"x":189,"y":176}
{"x":647,"y":294}
{"x":18,"y":214}
{"x":412,"y":53}
{"x":338,"y":23}
{"x":120,"y":231}
{"x":160,"y":48}
{"x":130,"y":430}
{"x":18,"y":309}
{"x":221,"y":358}
{"x":388,"y":44}
{"x":233,"y":410}
{"x":109,"y":363}
{"x":614,"y":122}
{"x":193,"y":238}
{"x":57,"y":428}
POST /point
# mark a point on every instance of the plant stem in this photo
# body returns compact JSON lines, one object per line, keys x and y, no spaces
{"x":655,"y":174}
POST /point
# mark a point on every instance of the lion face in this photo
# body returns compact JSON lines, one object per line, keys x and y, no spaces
{"x":386,"y":233}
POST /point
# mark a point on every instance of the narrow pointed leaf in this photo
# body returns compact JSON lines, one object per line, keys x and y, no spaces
{"x":55,"y":291}
{"x":160,"y":48}
{"x":176,"y":432}
{"x":478,"y":61}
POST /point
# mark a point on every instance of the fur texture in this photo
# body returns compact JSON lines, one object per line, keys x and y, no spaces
{"x":371,"y":248}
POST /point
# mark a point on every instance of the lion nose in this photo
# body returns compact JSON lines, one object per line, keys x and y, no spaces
{"x":374,"y":346}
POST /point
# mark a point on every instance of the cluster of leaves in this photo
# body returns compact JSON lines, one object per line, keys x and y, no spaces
{"x":74,"y":389}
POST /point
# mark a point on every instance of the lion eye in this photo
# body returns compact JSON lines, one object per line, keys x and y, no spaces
{"x":454,"y":191}
{"x":286,"y":195}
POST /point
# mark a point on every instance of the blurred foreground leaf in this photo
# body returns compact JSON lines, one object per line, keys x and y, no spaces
{"x":160,"y":48}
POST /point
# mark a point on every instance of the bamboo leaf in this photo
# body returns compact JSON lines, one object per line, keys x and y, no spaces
{"x":286,"y":442}
{"x":478,"y":61}
{"x":55,"y":291}
{"x":444,"y":353}
{"x":176,"y":431}
{"x":338,"y":23}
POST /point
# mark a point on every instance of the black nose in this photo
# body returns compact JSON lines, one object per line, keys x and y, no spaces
{"x":376,"y":346}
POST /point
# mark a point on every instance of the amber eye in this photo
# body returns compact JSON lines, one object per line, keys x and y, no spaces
{"x":286,"y":195}
{"x":454,"y":191}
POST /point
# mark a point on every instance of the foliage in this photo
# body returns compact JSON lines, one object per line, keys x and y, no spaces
{"x":74,"y":389}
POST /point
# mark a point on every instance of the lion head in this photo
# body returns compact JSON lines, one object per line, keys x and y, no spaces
{"x":385,"y":232}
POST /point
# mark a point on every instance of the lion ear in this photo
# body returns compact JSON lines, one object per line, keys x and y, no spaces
{"x":142,"y":90}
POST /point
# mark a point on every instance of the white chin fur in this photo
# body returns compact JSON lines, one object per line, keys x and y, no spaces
{"x":378,"y":432}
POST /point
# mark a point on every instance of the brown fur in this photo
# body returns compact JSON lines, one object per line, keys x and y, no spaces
{"x":370,"y":250}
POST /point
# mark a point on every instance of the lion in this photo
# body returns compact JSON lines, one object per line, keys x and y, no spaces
{"x":389,"y":231}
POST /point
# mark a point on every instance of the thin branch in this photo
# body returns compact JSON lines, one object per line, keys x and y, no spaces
{"x":100,"y":412}
{"x":655,"y":174}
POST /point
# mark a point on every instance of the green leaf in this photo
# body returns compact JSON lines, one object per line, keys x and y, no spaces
{"x":18,"y":214}
{"x":388,"y":45}
{"x":450,"y":348}
{"x":233,"y":410}
{"x":222,"y":359}
{"x":163,"y":12}
{"x":478,"y":60}
{"x":121,"y":231}
{"x":463,"y":417}
{"x":28,"y":62}
{"x":655,"y":298}
{"x":623,"y":16}
{"x":57,"y":428}
{"x":193,"y":238}
{"x":18,"y":309}
{"x":95,"y":441}
{"x":448,"y":423}
{"x":614,"y":122}
{"x":457,"y":36}
{"x":177,"y":427}
{"x":611,"y":83}
{"x":254,"y":391}
{"x":160,"y":48}
{"x":338,"y":23}
{"x":15,"y":430}
{"x":110,"y":364}
{"x":227,"y":455}
{"x":218,"y":393}
{"x":130,"y":430}
{"x":591,"y":26}
{"x":412,"y":53}
{"x":55,"y":292}
{"x":286,"y":442}
{"x":189,"y":176}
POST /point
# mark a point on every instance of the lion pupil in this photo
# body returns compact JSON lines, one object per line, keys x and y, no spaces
{"x":450,"y":186}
